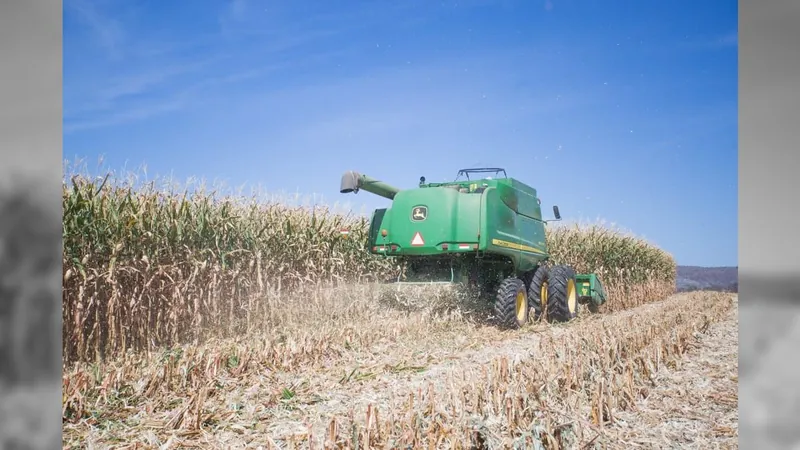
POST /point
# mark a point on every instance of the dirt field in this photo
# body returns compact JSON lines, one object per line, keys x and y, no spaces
{"x":663,"y":375}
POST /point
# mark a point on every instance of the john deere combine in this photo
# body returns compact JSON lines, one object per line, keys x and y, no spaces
{"x":486,"y":233}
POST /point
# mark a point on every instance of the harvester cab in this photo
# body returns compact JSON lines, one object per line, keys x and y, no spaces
{"x":485,"y":232}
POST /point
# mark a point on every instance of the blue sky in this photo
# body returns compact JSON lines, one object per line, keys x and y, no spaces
{"x":624,"y":111}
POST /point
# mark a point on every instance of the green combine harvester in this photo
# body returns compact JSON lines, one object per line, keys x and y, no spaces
{"x":485,"y":233}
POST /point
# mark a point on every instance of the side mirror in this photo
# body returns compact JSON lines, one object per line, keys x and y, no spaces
{"x":556,"y":213}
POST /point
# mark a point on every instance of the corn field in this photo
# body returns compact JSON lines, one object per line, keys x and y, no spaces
{"x":147,"y":268}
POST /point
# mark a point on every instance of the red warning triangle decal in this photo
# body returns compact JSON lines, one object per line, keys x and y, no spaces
{"x":417,"y":241}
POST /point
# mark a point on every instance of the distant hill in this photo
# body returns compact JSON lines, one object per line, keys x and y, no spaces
{"x":695,"y":278}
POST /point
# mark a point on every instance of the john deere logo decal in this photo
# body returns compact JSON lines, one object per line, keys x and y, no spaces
{"x":419,"y":213}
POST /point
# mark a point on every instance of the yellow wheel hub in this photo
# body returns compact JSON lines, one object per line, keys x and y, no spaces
{"x":543,"y":294}
{"x":522,"y":306}
{"x":572,"y":296}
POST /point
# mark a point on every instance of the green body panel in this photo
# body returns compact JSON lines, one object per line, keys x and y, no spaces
{"x":375,"y":225}
{"x":590,"y":289}
{"x":512,"y":224}
{"x":501,"y":218}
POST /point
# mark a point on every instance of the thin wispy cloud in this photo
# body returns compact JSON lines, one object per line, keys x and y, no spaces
{"x":727,"y":41}
{"x":433,"y":96}
{"x":233,"y":16}
{"x":128,"y":115}
{"x":162,"y":78}
{"x":156,"y":93}
{"x":117,"y":89}
{"x":108,"y":32}
{"x":238,"y":9}
{"x":170,"y":103}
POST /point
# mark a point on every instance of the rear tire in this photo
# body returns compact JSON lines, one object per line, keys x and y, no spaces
{"x":511,"y":305}
{"x":538,"y":290}
{"x":562,"y":295}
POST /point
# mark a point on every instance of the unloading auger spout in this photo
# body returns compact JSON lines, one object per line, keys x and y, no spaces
{"x":353,"y":181}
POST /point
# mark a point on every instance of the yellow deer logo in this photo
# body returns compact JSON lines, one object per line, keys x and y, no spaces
{"x":419,"y":214}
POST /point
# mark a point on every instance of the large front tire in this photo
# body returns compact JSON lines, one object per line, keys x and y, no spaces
{"x":511,"y":305}
{"x":562,"y":295}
